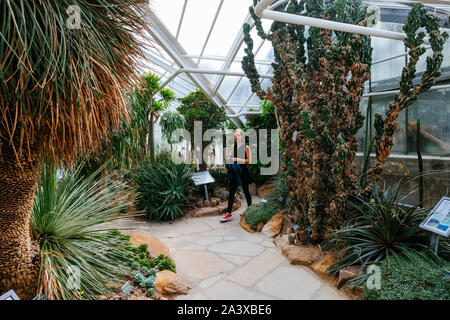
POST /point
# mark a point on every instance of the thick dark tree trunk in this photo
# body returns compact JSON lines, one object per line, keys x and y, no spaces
{"x":19,"y":255}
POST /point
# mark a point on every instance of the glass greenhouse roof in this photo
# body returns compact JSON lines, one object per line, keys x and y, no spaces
{"x":205,"y":37}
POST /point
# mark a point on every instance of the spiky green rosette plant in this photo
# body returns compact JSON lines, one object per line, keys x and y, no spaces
{"x":385,"y":128}
{"x":318,"y":84}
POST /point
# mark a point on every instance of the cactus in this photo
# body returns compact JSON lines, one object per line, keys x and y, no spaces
{"x":419,"y":157}
{"x":385,"y":128}
{"x":149,"y":282}
{"x":318,"y":85}
{"x":317,"y":88}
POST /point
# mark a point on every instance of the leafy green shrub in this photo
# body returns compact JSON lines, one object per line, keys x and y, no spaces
{"x":276,"y":201}
{"x":162,"y":188}
{"x":410,"y":277}
{"x":165,"y":263}
{"x":143,"y":248}
{"x":381,"y":230}
{"x":67,"y":220}
{"x":260,"y":212}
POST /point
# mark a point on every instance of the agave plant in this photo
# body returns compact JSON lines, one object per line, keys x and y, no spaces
{"x":162,"y":188}
{"x":63,"y":89}
{"x":383,"y":229}
{"x":79,"y":260}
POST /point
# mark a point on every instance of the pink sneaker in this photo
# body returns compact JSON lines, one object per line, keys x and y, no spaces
{"x":226,"y":217}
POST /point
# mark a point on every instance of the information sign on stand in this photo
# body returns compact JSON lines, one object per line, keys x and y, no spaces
{"x":203,"y":178}
{"x":438,"y":222}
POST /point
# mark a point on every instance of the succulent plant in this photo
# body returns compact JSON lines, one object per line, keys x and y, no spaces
{"x":143,"y":270}
{"x":149,"y":282}
{"x":151,"y":292}
{"x":135,"y":265}
{"x":139,"y":278}
{"x":317,"y":87}
{"x":153,"y":271}
{"x":318,"y":84}
{"x":418,"y":18}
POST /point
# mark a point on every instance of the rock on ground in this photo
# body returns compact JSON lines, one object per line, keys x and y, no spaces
{"x":346,"y":274}
{"x":298,"y":255}
{"x":245,"y":225}
{"x":321,"y":266}
{"x":273,"y":227}
{"x":264,"y":190}
{"x":155,"y":246}
{"x":170,"y":283}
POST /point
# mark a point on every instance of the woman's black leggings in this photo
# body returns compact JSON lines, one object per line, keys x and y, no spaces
{"x":232,"y":190}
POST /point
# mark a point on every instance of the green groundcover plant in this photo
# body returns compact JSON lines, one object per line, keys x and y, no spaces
{"x":78,"y":259}
{"x":382,"y":230}
{"x":276,"y":201}
{"x":413,"y":276}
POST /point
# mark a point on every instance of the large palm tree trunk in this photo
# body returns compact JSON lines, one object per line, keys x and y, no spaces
{"x":19,"y":255}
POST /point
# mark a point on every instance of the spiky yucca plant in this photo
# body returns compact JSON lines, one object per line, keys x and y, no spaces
{"x":62,"y":89}
{"x":79,"y":260}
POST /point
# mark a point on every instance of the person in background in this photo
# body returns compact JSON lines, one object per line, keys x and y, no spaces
{"x":238,"y":172}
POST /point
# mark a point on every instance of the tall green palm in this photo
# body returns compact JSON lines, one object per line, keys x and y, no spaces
{"x":149,"y":102}
{"x":171,"y":121}
{"x":62,"y":89}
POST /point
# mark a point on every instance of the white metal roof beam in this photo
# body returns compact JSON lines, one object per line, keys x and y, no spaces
{"x":221,"y":58}
{"x":176,"y":52}
{"x":207,"y":71}
{"x":237,"y":44}
{"x":181,"y":19}
{"x":219,"y":7}
{"x":262,"y":11}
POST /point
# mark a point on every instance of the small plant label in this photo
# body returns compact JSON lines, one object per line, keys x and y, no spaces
{"x":438,"y":221}
{"x":126,"y":288}
{"x":10,"y":295}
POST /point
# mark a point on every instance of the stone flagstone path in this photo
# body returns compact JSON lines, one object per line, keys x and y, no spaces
{"x":223,"y":261}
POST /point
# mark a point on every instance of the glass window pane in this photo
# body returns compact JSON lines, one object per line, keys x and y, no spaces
{"x":433,"y":110}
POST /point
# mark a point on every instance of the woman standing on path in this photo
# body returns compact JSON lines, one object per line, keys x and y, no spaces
{"x":238,"y":172}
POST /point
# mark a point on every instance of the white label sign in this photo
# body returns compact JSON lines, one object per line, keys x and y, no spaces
{"x":202,"y":177}
{"x":438,"y":221}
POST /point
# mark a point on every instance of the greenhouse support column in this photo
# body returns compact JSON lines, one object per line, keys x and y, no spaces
{"x":407,"y":147}
{"x":151,"y":142}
